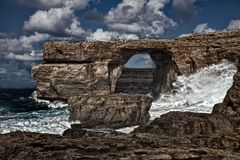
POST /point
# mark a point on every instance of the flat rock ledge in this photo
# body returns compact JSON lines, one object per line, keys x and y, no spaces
{"x":114,"y":110}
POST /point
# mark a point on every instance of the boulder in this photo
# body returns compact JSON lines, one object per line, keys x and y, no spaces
{"x":188,"y":123}
{"x":114,"y":110}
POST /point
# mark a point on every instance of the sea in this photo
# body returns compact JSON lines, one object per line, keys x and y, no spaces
{"x":20,"y":109}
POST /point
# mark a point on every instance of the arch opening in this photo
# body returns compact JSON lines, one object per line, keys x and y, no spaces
{"x":145,"y":72}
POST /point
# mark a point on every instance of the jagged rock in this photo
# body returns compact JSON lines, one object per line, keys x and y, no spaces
{"x":94,"y":145}
{"x":60,"y":81}
{"x":187,"y":123}
{"x":114,"y":110}
{"x":230,"y":108}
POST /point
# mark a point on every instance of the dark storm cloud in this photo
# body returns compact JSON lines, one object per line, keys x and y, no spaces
{"x":185,"y":8}
{"x":94,"y":15}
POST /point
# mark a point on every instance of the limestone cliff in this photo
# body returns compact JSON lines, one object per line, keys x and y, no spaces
{"x":95,"y":70}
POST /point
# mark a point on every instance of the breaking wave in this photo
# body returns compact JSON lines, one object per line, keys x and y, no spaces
{"x":53,"y":120}
{"x":197,"y":92}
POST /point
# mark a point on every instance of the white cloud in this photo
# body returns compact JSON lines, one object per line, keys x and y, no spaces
{"x":48,"y":4}
{"x":24,"y":57}
{"x":16,"y":56}
{"x":27,"y":41}
{"x":185,"y":35}
{"x":59,"y":21}
{"x":56,"y":21}
{"x":234,"y":24}
{"x":100,"y":35}
{"x":142,"y":17}
{"x":203,"y":28}
{"x":21,"y":48}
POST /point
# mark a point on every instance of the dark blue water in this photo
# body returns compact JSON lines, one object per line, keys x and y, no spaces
{"x":20,"y":110}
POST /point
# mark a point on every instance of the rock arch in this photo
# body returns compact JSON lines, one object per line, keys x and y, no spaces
{"x":86,"y":73}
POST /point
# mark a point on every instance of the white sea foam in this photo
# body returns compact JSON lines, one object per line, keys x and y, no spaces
{"x":126,"y":130}
{"x":53,"y":121}
{"x":197,"y":92}
{"x":54,"y":104}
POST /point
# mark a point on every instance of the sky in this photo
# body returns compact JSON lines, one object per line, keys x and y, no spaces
{"x":27,"y":24}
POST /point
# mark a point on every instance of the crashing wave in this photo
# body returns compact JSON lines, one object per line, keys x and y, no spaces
{"x":53,"y":120}
{"x":54,"y":104}
{"x":197,"y":92}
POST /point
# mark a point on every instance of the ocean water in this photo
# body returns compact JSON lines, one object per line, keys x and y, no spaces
{"x":198,"y":92}
{"x":20,"y":110}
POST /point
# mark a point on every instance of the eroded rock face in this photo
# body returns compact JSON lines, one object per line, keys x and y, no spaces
{"x":114,"y":110}
{"x":98,"y":146}
{"x":60,"y":81}
{"x":230,"y":108}
{"x":188,"y":123}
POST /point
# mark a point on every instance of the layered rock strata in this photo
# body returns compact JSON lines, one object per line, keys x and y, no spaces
{"x":114,"y":110}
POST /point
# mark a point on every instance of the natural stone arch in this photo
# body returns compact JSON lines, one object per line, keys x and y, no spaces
{"x":164,"y":73}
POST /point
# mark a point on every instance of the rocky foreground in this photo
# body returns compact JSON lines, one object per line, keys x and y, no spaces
{"x":173,"y":136}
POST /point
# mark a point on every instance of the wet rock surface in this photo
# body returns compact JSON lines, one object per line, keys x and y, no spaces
{"x":188,"y":123}
{"x":95,"y":145}
{"x":114,"y":110}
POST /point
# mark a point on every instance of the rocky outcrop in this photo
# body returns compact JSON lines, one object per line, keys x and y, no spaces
{"x":230,"y":107}
{"x":114,"y":110}
{"x":188,"y":123}
{"x":94,"y":146}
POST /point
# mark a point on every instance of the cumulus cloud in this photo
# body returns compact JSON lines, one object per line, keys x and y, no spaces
{"x":56,"y":21}
{"x":21,"y":48}
{"x":185,"y":8}
{"x":203,"y":28}
{"x":48,"y":4}
{"x":17,"y":56}
{"x":100,"y":35}
{"x":234,"y":24}
{"x":143,"y":18}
